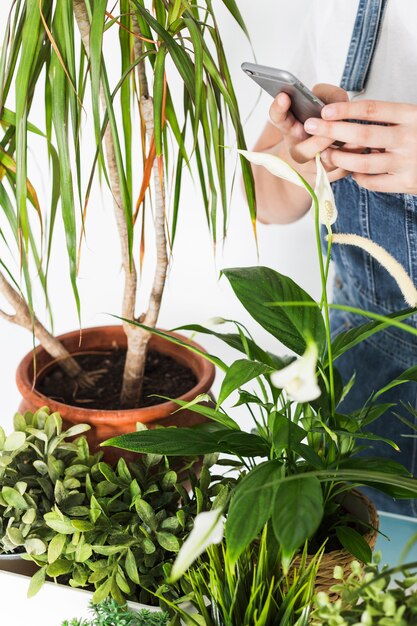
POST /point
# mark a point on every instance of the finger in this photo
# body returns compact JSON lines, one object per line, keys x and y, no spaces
{"x":330,"y":93}
{"x":386,"y":183}
{"x":374,"y":163}
{"x":370,"y":110}
{"x":364,"y":134}
{"x":306,"y":150}
{"x":282,"y":118}
{"x":337,"y":174}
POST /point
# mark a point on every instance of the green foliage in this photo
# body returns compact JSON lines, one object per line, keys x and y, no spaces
{"x":254,"y":593}
{"x":38,"y":465}
{"x":42,"y":53}
{"x":109,"y":613}
{"x":300,"y":455}
{"x":371,"y":597}
{"x":113,"y":529}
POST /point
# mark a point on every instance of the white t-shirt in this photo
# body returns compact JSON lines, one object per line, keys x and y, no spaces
{"x":324,"y":39}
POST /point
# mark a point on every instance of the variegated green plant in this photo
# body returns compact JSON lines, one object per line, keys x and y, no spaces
{"x":114,"y":529}
{"x":370,"y":596}
{"x":60,"y":50}
{"x":37,"y":466}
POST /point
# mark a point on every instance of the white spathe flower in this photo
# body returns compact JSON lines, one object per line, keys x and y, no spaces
{"x":325,"y":197}
{"x":299,"y":378}
{"x":275,"y":165}
{"x":208,"y":529}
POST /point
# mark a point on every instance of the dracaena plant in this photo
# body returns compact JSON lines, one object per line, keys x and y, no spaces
{"x":60,"y":50}
{"x":301,"y":456}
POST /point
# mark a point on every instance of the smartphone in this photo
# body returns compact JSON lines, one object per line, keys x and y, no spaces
{"x":304,"y":103}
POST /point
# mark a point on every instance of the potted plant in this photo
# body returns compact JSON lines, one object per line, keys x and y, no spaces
{"x":109,"y":613}
{"x":253,"y":590}
{"x":369,"y":595}
{"x":65,"y":45}
{"x":301,"y":456}
{"x":111,"y":530}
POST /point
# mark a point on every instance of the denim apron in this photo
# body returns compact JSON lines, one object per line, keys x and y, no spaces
{"x":390,"y":220}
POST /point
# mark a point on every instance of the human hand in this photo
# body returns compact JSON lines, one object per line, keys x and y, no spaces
{"x":301,"y":146}
{"x":391,"y":164}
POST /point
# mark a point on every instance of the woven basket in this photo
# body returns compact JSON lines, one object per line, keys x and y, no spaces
{"x":357,"y":504}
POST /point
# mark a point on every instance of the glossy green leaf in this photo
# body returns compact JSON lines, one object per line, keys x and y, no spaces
{"x":255,"y":287}
{"x":251,"y":507}
{"x":354,"y":543}
{"x":297,"y":511}
{"x":240,"y":373}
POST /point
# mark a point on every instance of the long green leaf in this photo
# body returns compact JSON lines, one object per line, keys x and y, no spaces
{"x":255,"y":286}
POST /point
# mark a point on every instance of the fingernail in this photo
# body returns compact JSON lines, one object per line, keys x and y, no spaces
{"x":281,"y":100}
{"x":328,"y":112}
{"x":324,"y":155}
{"x":310,"y":124}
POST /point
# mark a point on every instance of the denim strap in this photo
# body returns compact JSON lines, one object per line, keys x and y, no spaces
{"x":362,"y":45}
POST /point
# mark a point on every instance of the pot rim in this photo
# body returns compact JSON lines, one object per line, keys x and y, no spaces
{"x":205,"y":379}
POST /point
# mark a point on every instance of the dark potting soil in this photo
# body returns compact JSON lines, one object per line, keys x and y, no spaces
{"x":163,"y":376}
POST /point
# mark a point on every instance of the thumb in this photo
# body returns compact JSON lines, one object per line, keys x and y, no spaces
{"x":330,"y":93}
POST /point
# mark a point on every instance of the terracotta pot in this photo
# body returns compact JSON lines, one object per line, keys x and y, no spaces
{"x":104,"y":423}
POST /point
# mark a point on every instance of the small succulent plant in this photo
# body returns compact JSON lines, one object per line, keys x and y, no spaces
{"x":370,"y":597}
{"x":112,"y":530}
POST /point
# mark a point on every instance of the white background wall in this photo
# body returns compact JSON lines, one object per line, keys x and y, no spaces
{"x":193,"y":292}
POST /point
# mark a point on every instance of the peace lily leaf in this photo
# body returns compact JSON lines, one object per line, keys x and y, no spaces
{"x":251,"y":507}
{"x":297,"y":511}
{"x":286,"y":434}
{"x":350,"y":338}
{"x":208,"y":530}
{"x":205,"y":409}
{"x":239,"y":373}
{"x":354,"y":543}
{"x":290,"y":325}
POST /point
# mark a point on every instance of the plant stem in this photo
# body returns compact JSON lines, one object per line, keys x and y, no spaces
{"x":27,"y":319}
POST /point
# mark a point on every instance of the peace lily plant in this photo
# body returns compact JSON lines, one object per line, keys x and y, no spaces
{"x":300,"y":459}
{"x":145,"y":136}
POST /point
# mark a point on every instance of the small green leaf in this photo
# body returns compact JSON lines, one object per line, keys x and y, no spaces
{"x":15,"y":536}
{"x":354,"y":543}
{"x":131,"y":567}
{"x":169,"y":480}
{"x":239,"y":373}
{"x":103,"y":591}
{"x":168,"y":541}
{"x":59,"y":523}
{"x":14,"y":441}
{"x":36,"y":582}
{"x":145,"y":512}
{"x":14,"y":499}
{"x":55,"y":547}
{"x":35,"y":546}
{"x":59,"y":568}
{"x":29,"y":516}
